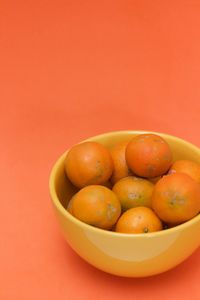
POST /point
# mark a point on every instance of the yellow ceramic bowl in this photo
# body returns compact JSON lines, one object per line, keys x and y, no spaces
{"x":131,"y":255}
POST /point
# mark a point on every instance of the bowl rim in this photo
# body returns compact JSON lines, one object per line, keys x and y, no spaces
{"x":77,"y":222}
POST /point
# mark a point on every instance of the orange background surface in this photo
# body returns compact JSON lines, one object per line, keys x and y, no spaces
{"x":70,"y":70}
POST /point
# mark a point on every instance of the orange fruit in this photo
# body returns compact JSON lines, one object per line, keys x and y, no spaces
{"x":69,"y":206}
{"x":133,"y":191}
{"x":96,"y":205}
{"x":148,"y":155}
{"x":176,"y":198}
{"x":88,"y":163}
{"x":120,"y":168}
{"x":188,"y":167}
{"x":154,"y":179}
{"x":138,"y":220}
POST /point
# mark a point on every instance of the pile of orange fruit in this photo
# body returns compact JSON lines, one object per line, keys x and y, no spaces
{"x":134,"y":187}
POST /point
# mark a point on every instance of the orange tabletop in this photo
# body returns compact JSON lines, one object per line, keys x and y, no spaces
{"x":70,"y":70}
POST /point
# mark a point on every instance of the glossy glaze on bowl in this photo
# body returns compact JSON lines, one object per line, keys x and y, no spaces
{"x":131,"y":255}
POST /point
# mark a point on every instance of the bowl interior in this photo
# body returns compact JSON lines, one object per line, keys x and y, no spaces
{"x":65,"y":190}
